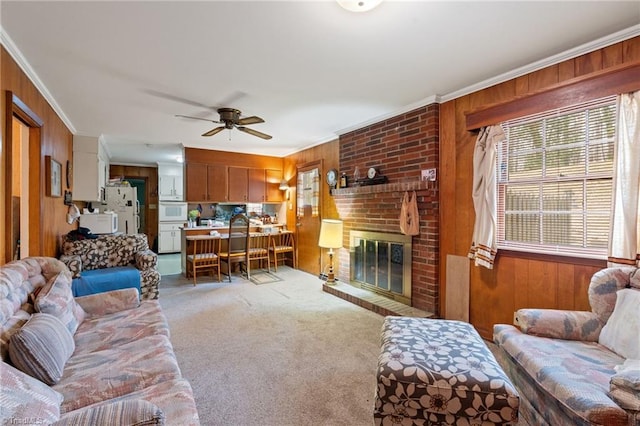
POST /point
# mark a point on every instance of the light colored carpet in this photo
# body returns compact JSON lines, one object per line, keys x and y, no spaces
{"x":278,"y":353}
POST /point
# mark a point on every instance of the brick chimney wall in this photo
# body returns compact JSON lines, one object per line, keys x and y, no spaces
{"x":399,"y":147}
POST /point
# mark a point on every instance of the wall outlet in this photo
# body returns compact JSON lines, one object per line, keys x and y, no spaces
{"x":428,"y":175}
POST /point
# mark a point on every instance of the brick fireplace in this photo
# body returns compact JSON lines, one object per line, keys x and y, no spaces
{"x":399,"y":147}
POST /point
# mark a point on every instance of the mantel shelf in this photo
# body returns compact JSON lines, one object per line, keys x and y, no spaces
{"x":384,"y":187}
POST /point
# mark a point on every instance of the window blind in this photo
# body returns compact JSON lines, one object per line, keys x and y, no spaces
{"x":555,"y":180}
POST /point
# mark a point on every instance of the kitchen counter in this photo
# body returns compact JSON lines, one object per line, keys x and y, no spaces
{"x":203,"y":228}
{"x":206,"y":230}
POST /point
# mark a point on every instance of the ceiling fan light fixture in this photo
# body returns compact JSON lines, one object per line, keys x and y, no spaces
{"x":358,"y":5}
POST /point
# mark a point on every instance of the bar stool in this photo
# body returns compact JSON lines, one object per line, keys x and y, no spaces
{"x":282,"y":243}
{"x":258,"y":250}
{"x":237,"y":243}
{"x":204,"y":255}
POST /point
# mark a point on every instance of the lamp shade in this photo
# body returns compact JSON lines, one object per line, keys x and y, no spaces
{"x":330,"y":234}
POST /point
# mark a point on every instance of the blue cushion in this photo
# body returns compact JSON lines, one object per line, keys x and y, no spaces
{"x":107,"y":279}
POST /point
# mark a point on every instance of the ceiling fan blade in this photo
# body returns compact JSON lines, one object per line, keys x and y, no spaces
{"x":254,"y":132}
{"x":197,"y":118}
{"x":177,"y":99}
{"x":250,"y":120}
{"x":214,"y":131}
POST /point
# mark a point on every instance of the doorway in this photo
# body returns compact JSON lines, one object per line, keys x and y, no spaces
{"x":308,"y":217}
{"x":22,"y":189}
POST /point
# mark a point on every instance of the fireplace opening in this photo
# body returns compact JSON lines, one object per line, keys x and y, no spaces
{"x":381,"y":262}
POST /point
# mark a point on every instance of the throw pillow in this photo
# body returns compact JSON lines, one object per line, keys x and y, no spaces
{"x":130,"y":412}
{"x":24,"y":397}
{"x":622,"y":330}
{"x":56,"y":298}
{"x":41,"y":348}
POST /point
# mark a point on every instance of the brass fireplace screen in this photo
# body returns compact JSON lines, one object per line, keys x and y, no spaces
{"x":381,"y":262}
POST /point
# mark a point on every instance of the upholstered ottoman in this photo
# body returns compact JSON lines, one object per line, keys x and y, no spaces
{"x":440,"y":372}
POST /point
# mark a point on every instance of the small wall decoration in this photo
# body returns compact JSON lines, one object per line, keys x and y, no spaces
{"x":53,"y":171}
{"x":68,"y":198}
{"x":69,"y":174}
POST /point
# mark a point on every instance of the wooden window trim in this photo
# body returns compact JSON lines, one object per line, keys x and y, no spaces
{"x":549,"y":257}
{"x":619,"y":79}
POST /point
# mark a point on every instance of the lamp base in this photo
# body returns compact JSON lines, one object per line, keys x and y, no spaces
{"x":331,"y":278}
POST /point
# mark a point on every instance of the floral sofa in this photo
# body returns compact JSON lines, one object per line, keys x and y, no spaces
{"x":94,"y":360}
{"x":110,"y":262}
{"x":579,"y":367}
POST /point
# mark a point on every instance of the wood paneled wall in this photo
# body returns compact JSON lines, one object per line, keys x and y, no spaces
{"x":329,"y":153}
{"x":56,"y":141}
{"x":517,"y":280}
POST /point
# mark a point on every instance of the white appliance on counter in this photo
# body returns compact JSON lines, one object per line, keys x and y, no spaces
{"x":172,"y":211}
{"x":171,"y":216}
{"x":100,"y":223}
{"x":123,"y":200}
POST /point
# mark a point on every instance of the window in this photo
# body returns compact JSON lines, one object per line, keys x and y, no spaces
{"x":555,"y":180}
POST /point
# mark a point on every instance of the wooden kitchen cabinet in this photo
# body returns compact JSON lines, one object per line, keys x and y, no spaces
{"x":272,"y":179}
{"x":257,"y":188}
{"x":217,"y":183}
{"x":206,"y":182}
{"x":252,"y":185}
{"x":238,"y":184}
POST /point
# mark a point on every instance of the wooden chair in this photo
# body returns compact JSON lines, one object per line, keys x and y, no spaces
{"x":204,"y":255}
{"x":258,"y":250}
{"x":282,"y":243}
{"x":237,"y":243}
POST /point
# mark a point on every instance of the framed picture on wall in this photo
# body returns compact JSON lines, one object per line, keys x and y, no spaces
{"x":53,"y":171}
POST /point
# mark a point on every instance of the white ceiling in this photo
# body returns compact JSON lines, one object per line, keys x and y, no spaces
{"x":124,"y":69}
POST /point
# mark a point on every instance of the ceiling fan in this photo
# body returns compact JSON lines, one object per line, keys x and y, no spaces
{"x":230,"y":119}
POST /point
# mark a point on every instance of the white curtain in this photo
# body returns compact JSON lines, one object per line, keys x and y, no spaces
{"x":624,"y":240}
{"x":484,"y":247}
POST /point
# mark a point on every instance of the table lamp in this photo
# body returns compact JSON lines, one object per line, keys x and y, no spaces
{"x":331,"y":238}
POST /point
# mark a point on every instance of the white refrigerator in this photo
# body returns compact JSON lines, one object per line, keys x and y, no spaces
{"x":123,"y":200}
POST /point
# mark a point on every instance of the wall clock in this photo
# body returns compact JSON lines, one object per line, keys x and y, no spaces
{"x":332,"y":178}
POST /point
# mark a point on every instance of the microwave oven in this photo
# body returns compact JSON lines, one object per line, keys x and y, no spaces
{"x":172,"y":212}
{"x":100,"y":223}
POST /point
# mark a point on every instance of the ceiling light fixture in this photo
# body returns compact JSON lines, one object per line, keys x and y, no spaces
{"x":358,"y":5}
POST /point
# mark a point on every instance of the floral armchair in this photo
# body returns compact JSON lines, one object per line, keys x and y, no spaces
{"x":579,"y":367}
{"x":114,"y":251}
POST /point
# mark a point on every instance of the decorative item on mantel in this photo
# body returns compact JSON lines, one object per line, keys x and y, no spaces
{"x":373,"y":178}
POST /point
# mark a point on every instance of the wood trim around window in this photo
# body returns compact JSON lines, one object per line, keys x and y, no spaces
{"x":621,"y":79}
